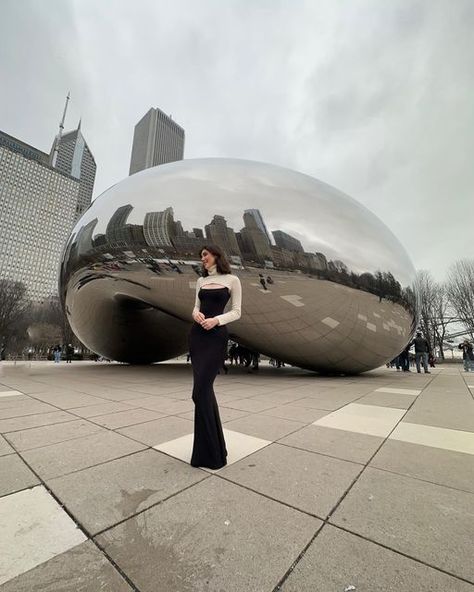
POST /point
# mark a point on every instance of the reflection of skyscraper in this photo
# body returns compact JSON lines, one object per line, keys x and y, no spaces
{"x":254,"y":242}
{"x":286,"y":241}
{"x":73,"y":157}
{"x":157,"y":139}
{"x":219,"y":233}
{"x":84,"y":237}
{"x":159,"y":228}
{"x":260,"y":222}
{"x":116,"y":228}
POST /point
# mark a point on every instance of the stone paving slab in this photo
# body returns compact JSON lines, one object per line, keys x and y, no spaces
{"x":337,"y":560}
{"x":310,"y":482}
{"x":122,"y":419}
{"x":264,"y":426}
{"x":159,"y":430}
{"x":15,"y":475}
{"x":84,"y":568}
{"x":73,"y":455}
{"x":5,"y":447}
{"x":395,"y":507}
{"x":210,"y":538}
{"x":341,"y":444}
{"x":444,"y":467}
{"x":429,"y":522}
{"x":15,"y":424}
{"x":102,"y":496}
{"x":51,"y":434}
{"x":45,"y":528}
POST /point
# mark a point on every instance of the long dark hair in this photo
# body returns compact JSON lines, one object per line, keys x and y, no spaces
{"x":222,"y":264}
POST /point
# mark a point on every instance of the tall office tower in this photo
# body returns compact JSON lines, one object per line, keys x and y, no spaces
{"x":37,"y":213}
{"x":288,"y":242}
{"x":260,"y":223}
{"x":70,"y":154}
{"x":157,"y":139}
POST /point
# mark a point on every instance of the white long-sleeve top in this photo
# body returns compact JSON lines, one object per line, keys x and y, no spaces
{"x":235,"y":288}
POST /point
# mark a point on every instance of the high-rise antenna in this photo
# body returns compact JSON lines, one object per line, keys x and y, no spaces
{"x":59,"y":136}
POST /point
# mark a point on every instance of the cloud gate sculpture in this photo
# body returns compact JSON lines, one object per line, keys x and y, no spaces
{"x":325,"y":285}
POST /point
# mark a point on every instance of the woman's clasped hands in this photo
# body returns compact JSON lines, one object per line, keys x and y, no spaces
{"x":205,"y":323}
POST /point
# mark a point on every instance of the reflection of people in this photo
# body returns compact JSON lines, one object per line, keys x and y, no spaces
{"x":57,"y":354}
{"x":69,"y":353}
{"x":208,"y":340}
{"x":422,"y":349}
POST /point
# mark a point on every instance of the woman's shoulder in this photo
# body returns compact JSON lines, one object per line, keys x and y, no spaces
{"x":233,"y":279}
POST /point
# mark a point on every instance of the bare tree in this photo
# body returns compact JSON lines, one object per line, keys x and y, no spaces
{"x":460,"y":289}
{"x":14,"y":309}
{"x":434,"y":312}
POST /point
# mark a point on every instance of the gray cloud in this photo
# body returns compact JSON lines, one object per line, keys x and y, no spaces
{"x":373,"y":98}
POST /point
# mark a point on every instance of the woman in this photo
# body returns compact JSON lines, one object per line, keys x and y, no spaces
{"x":207,"y":346}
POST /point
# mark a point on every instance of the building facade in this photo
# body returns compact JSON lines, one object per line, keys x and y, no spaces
{"x":71,"y":155}
{"x":157,"y":139}
{"x":38,"y":206}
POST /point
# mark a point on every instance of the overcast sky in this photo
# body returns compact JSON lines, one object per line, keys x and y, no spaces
{"x":374,"y":97}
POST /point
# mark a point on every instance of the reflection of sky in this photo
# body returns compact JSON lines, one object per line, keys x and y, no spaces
{"x":322,"y":218}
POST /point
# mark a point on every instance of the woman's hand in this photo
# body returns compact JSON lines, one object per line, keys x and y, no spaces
{"x":199,"y":317}
{"x":209,"y":323}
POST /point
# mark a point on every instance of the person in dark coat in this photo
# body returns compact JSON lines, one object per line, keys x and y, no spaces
{"x":69,"y":353}
{"x":422,"y":351}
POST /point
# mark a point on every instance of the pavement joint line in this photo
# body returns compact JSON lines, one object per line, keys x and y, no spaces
{"x":355,"y":462}
{"x":398,"y":552}
{"x":422,"y":480}
{"x":295,"y":562}
{"x":83,"y":468}
{"x":56,"y":423}
{"x":205,"y":477}
{"x":130,"y":582}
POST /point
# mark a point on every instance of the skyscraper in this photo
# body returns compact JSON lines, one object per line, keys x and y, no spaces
{"x":157,"y":139}
{"x":37,"y":212}
{"x":72,"y":156}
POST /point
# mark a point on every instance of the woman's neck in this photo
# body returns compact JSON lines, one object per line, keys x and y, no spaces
{"x":213,"y":270}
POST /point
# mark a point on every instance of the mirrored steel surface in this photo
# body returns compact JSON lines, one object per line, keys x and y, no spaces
{"x":339,"y":297}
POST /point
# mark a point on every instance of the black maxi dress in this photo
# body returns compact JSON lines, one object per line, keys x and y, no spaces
{"x":207,"y":348}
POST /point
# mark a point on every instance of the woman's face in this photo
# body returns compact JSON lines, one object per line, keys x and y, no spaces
{"x":207,"y":258}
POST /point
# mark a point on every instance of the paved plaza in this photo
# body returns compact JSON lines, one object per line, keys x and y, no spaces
{"x":333,"y":483}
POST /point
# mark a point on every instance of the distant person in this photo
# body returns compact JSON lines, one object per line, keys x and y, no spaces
{"x":467,"y":355}
{"x":57,"y":353}
{"x":69,"y":353}
{"x":422,"y":351}
{"x":269,"y":280}
{"x":404,"y":358}
{"x":262,"y":281}
{"x":431,"y":361}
